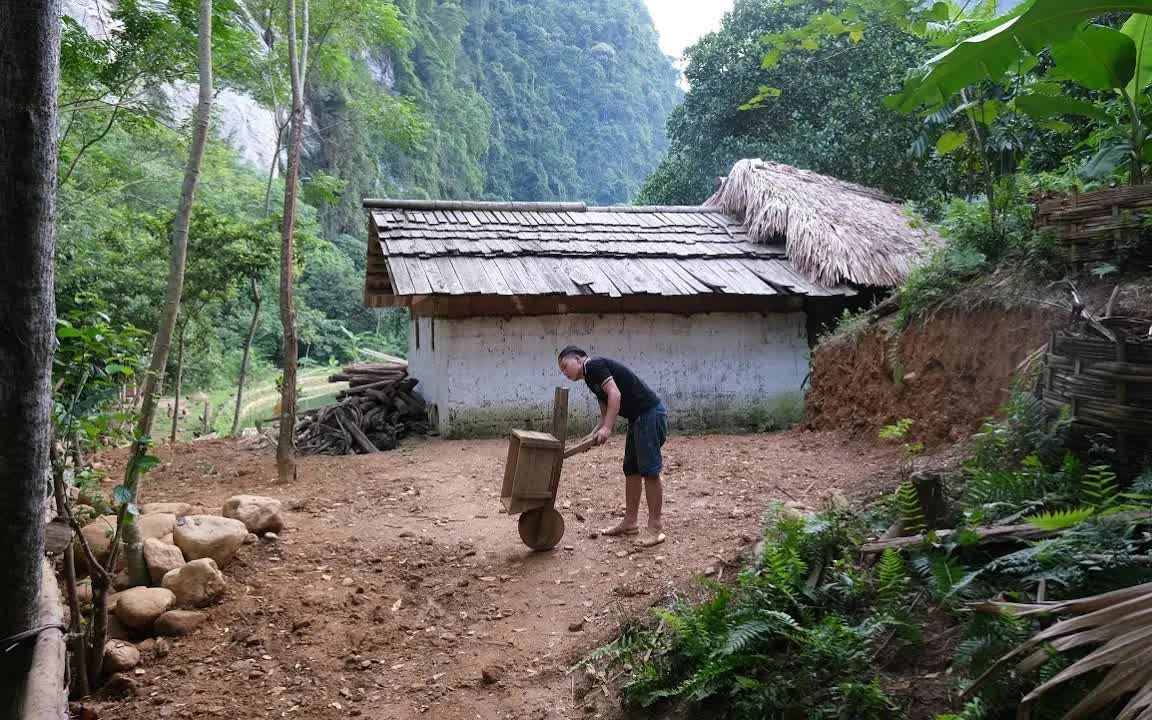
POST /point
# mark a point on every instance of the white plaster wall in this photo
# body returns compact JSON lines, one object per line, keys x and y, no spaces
{"x":489,"y":374}
{"x":428,"y":354}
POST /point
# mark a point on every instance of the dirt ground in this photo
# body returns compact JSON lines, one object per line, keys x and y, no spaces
{"x":399,"y":581}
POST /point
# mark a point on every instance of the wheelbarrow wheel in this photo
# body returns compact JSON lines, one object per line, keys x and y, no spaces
{"x":541,"y":528}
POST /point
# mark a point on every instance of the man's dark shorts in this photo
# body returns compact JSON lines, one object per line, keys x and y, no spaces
{"x":646,"y":435}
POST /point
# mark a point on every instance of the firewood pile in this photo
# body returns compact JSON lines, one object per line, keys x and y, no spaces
{"x":376,"y":411}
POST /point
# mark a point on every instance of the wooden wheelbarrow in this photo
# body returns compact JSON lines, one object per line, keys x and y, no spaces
{"x":532,"y":477}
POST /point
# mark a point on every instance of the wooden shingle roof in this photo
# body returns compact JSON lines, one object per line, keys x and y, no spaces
{"x":420,"y":249}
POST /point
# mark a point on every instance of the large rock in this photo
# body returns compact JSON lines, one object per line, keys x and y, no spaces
{"x":161,"y":558}
{"x":139,"y":607}
{"x":156,"y":525}
{"x":84,"y":514}
{"x":180,"y":622}
{"x":259,"y":514}
{"x":120,"y":656}
{"x":178,"y":509}
{"x":209,"y":536}
{"x":197,"y":584}
{"x":99,"y":534}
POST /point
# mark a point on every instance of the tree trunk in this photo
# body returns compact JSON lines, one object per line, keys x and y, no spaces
{"x":179,"y":381}
{"x":29,"y":72}
{"x":285,"y":447}
{"x":244,"y":360}
{"x":176,"y":261}
{"x":75,"y":627}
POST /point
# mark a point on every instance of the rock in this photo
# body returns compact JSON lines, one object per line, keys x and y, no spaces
{"x":117,"y":630}
{"x":180,"y":622}
{"x":259,"y":514}
{"x":156,"y":525}
{"x":99,"y":534}
{"x":162,"y":647}
{"x":838,"y":501}
{"x":209,"y":536}
{"x":147,"y":646}
{"x":122,"y":685}
{"x":84,"y":514}
{"x":169,"y":539}
{"x":491,"y":675}
{"x":576,"y":626}
{"x":179,"y":509}
{"x":84,"y":593}
{"x":122,"y":581}
{"x":196,"y":584}
{"x":139,"y":607}
{"x":270,"y":537}
{"x":791,"y":514}
{"x":92,"y":497}
{"x":161,"y":558}
{"x":120,"y":656}
{"x":251,"y":538}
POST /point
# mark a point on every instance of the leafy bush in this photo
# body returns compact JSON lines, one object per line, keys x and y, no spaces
{"x":779,"y":642}
{"x":973,"y":245}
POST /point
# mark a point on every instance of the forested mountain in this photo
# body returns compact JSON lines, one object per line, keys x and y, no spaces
{"x":523,"y":99}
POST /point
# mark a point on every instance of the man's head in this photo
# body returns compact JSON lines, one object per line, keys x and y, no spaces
{"x":571,"y":361}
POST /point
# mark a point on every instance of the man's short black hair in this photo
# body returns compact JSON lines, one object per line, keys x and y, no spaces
{"x":570,"y":351}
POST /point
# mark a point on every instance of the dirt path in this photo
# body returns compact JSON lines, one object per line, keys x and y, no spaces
{"x":399,"y":580}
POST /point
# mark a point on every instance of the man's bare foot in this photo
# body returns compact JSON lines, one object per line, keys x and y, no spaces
{"x":651,"y":538}
{"x":621,"y":529}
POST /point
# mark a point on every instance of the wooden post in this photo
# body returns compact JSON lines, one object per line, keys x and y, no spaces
{"x":560,"y":432}
{"x":207,"y":416}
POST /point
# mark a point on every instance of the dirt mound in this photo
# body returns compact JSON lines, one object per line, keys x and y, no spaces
{"x":947,"y":373}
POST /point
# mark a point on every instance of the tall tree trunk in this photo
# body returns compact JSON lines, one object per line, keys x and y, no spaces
{"x":178,"y":252}
{"x":285,"y":447}
{"x":179,"y":380}
{"x":244,"y":360}
{"x":29,"y":72}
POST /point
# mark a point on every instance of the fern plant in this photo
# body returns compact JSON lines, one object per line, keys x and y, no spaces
{"x":1057,"y":520}
{"x":907,"y":504}
{"x":1099,"y":489}
{"x":948,"y":580}
{"x":891,"y":578}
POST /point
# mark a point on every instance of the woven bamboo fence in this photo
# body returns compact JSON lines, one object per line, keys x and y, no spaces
{"x":1105,"y":383}
{"x":1104,"y":226}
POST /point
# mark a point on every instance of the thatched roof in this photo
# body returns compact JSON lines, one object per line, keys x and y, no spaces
{"x":833,"y":231}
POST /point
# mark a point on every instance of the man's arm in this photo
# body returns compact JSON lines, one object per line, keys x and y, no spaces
{"x":609,"y":411}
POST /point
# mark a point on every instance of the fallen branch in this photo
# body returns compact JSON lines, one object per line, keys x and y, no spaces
{"x":989,"y":534}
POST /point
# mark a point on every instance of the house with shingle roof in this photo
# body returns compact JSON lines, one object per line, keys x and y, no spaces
{"x":707,"y":303}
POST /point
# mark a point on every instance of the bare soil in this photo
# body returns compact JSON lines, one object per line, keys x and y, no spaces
{"x":399,"y":583}
{"x":947,"y":374}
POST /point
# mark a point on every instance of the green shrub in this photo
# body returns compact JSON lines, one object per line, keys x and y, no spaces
{"x":788,"y":638}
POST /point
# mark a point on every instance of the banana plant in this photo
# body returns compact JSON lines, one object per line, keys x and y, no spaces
{"x":1095,"y":57}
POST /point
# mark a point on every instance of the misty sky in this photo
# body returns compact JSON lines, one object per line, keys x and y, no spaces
{"x":682,"y":22}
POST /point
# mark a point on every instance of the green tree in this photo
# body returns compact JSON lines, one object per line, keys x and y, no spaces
{"x":29,"y":73}
{"x":830,"y":117}
{"x":137,"y":464}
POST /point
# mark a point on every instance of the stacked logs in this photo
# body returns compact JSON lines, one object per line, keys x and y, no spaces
{"x":376,"y":411}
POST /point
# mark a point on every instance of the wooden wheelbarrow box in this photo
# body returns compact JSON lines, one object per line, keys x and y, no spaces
{"x":532,"y":477}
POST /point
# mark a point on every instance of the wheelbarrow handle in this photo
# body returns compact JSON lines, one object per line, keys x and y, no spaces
{"x":580,"y":447}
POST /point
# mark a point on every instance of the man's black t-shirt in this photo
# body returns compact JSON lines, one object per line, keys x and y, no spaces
{"x":636,"y":398}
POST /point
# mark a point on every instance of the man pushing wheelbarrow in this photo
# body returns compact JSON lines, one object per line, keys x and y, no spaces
{"x":622,"y":394}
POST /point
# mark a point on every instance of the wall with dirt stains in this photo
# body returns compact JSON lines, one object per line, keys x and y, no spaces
{"x":716,"y":370}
